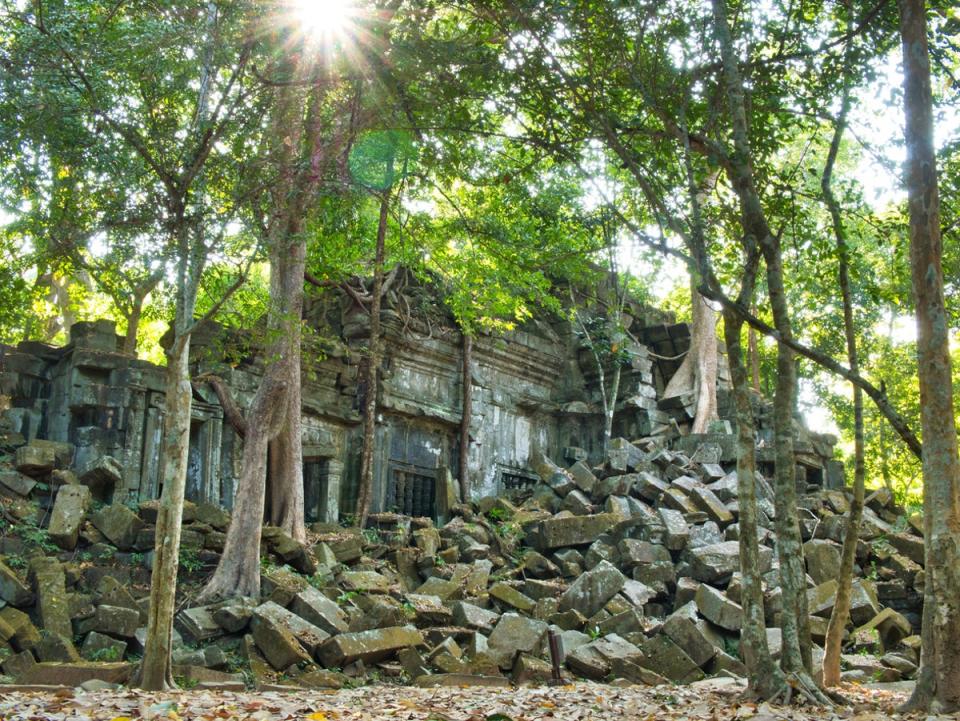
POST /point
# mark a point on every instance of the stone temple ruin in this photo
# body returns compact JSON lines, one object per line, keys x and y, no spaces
{"x":535,"y":390}
{"x":568,"y":559}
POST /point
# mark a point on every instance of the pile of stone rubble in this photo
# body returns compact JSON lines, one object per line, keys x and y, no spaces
{"x":627,"y":570}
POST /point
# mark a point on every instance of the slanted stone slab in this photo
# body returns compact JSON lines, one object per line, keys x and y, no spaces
{"x":636,"y":593}
{"x":309,"y":636}
{"x":35,"y":460}
{"x":663,"y":656}
{"x":512,"y":597}
{"x":112,"y":620}
{"x":74,"y":674}
{"x":573,"y":530}
{"x":717,"y":608}
{"x":69,"y":511}
{"x":280,"y":585}
{"x":18,"y":664}
{"x":583,"y":477}
{"x":18,"y":629}
{"x":49,"y":584}
{"x":823,"y":559}
{"x":641,"y":553}
{"x":366,"y":581}
{"x":688,"y":631}
{"x":470,"y":616}
{"x":102,"y":475}
{"x":516,"y":634}
{"x":53,"y":647}
{"x":198,"y":623}
{"x":318,"y":609}
{"x":676,"y":530}
{"x":277,"y":643}
{"x":16,"y":484}
{"x":704,"y":499}
{"x":367,"y":646}
{"x":12,"y":589}
{"x":101,"y":647}
{"x":591,"y":591}
{"x":718,"y":561}
{"x":119,"y":524}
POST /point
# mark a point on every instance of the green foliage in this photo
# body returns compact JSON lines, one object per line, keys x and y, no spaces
{"x":190,"y":560}
{"x":110,"y":653}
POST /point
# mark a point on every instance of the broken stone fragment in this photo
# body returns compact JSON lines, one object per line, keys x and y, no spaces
{"x":717,"y":608}
{"x":591,"y":591}
{"x":16,"y":484}
{"x":75,"y":674}
{"x":291,"y":552}
{"x":470,"y":616}
{"x":35,"y":460}
{"x":54,"y":647}
{"x":102,"y":475}
{"x":558,"y":532}
{"x":531,"y":670}
{"x":101,"y":647}
{"x":19,"y":630}
{"x":49,"y":584}
{"x":510,"y":596}
{"x":315,"y":607}
{"x":717,"y":562}
{"x":666,"y":658}
{"x":198,"y":623}
{"x":690,"y":633}
{"x":367,"y":646}
{"x":270,"y":614}
{"x":277,"y":642}
{"x":366,"y":581}
{"x":515,"y":634}
{"x":233,"y":617}
{"x":823,"y":560}
{"x":18,"y":664}
{"x":69,"y":510}
{"x":12,"y":589}
{"x":118,"y":524}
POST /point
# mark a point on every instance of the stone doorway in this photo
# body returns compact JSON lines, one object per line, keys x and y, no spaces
{"x":412,"y":491}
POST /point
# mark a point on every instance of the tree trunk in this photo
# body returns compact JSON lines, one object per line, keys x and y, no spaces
{"x":753,"y":349}
{"x":765,"y":678}
{"x":138,"y":297}
{"x":841,"y":607}
{"x":697,"y":374}
{"x":365,"y":495}
{"x":155,"y":671}
{"x":938,"y":688}
{"x":466,"y":417}
{"x":795,"y":623}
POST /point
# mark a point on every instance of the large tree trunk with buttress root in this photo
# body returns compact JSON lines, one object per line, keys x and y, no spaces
{"x":697,"y":374}
{"x":938,"y":686}
{"x":238,"y":573}
{"x":365,"y":495}
{"x":466,"y":417}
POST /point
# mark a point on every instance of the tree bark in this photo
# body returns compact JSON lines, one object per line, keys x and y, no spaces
{"x":841,"y":607}
{"x":466,"y":416}
{"x":796,"y":658}
{"x":697,"y":374}
{"x":764,"y":677}
{"x":138,"y":298}
{"x":156,"y":673}
{"x":753,"y":350}
{"x":938,"y":688}
{"x":365,"y":495}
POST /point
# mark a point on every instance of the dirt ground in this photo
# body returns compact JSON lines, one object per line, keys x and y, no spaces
{"x":711,"y":700}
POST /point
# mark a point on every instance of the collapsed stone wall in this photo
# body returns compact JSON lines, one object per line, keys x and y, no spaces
{"x":536,"y":389}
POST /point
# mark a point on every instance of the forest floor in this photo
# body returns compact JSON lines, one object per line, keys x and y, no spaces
{"x":711,"y":700}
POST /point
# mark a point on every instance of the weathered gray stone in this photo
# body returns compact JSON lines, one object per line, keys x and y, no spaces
{"x":102,"y":475}
{"x":666,"y":658}
{"x":637,"y":553}
{"x":100,"y":647}
{"x":308,"y":635}
{"x":69,"y":511}
{"x":233,"y":617}
{"x":591,"y":591}
{"x":54,"y":647}
{"x":319,"y":610}
{"x":595,"y":659}
{"x":367,"y":646}
{"x":112,"y":620}
{"x":704,"y":499}
{"x":281,"y":584}
{"x":687,"y":631}
{"x":710,"y":564}
{"x":823,"y":560}
{"x":717,"y":608}
{"x":636,"y":593}
{"x":515,"y":634}
{"x":470,"y":616}
{"x":366,"y":581}
{"x":74,"y":674}
{"x":17,"y":665}
{"x":277,"y":642}
{"x":35,"y":460}
{"x":577,"y":503}
{"x":19,"y":630}
{"x":198,"y":623}
{"x":572,"y":531}
{"x":16,"y":483}
{"x":119,"y":524}
{"x":12,"y":589}
{"x":512,"y":597}
{"x":676,"y":530}
{"x":583,"y":477}
{"x":49,"y":584}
